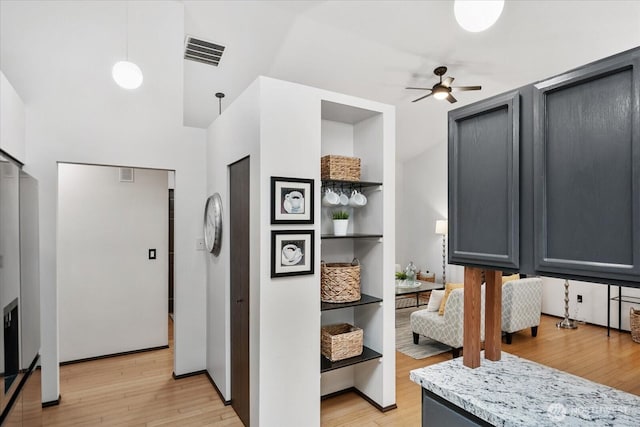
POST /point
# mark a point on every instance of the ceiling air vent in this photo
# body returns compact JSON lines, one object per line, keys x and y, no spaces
{"x":126,"y":174}
{"x":203,"y":51}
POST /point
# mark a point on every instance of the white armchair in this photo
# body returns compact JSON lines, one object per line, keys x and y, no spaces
{"x":448,"y":328}
{"x":521,"y":308}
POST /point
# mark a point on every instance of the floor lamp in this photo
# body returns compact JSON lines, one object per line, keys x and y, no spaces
{"x":442,"y":227}
{"x":566,"y":323}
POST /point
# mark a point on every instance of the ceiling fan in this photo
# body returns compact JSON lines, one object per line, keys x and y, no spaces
{"x":443,"y":89}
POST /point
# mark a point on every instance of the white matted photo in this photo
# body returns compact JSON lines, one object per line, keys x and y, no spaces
{"x":291,"y":253}
{"x":291,"y":200}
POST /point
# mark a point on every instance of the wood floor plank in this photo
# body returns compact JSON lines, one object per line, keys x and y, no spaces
{"x":138,"y":389}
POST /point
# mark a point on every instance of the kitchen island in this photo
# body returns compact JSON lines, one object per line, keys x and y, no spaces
{"x":518,"y":392}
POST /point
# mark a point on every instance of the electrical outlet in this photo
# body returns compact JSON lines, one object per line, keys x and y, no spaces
{"x":580,"y":298}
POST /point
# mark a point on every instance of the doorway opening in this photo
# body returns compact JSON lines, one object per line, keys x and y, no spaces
{"x":113,"y":260}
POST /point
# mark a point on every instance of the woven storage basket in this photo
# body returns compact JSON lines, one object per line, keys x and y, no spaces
{"x":635,"y":325}
{"x":341,"y":341}
{"x":427,"y":277}
{"x":340,"y":168}
{"x":339,"y":282}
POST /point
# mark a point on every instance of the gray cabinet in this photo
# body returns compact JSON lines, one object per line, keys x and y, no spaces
{"x":587,"y":170}
{"x":546,"y":179}
{"x":484,"y":183}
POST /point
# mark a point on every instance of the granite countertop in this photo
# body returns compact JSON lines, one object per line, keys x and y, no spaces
{"x":519,"y":392}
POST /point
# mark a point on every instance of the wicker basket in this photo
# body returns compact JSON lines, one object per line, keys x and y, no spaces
{"x":427,"y":277}
{"x":341,"y":341}
{"x":340,"y":168}
{"x":339,"y":282}
{"x":635,"y":325}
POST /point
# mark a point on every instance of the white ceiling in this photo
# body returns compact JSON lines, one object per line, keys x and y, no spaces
{"x":371,"y":49}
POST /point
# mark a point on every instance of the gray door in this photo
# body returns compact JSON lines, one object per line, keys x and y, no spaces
{"x":587,"y":170}
{"x":239,"y":259}
{"x":484,"y":183}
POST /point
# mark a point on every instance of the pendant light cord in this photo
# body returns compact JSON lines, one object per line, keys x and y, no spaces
{"x":126,"y":29}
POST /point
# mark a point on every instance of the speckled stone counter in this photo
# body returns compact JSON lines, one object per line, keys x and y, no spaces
{"x":518,"y":392}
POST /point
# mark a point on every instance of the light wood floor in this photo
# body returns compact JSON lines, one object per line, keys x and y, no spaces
{"x":138,"y":390}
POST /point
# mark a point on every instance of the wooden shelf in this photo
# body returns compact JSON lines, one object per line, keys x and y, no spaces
{"x":352,"y":236}
{"x":367,"y":354}
{"x":364,"y":299}
{"x":356,"y":184}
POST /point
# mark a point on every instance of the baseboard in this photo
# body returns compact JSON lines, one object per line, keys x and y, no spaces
{"x":362,"y":395}
{"x":51,"y":402}
{"x":106,"y":356}
{"x":213,"y":383}
{"x":187,"y":375}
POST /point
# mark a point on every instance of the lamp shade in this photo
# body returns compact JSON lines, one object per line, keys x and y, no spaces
{"x":477,"y":15}
{"x":442,"y":226}
{"x":127,"y":75}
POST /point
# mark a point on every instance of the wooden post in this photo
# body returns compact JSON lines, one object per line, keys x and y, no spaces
{"x":493,"y":315}
{"x":471,"y":339}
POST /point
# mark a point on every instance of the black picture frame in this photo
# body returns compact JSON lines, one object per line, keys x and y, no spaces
{"x":292,"y":252}
{"x":292,"y":200}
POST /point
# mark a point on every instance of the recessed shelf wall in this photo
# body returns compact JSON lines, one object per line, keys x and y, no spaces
{"x":349,"y":130}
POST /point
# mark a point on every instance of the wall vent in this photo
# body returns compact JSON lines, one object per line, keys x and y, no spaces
{"x":202,"y":51}
{"x":126,"y":174}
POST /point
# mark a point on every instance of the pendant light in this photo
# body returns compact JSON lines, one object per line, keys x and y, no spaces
{"x":477,"y":15}
{"x":125,"y":73}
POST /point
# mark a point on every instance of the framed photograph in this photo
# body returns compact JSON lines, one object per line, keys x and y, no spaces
{"x":291,"y":200}
{"x":291,"y":252}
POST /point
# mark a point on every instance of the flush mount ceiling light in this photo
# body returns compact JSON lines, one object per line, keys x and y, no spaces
{"x":477,"y":15}
{"x":125,"y":73}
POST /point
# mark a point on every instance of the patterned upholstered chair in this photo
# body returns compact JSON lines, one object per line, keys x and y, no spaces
{"x":448,"y":328}
{"x":521,"y":306}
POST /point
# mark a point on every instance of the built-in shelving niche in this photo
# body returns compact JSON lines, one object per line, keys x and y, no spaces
{"x":352,"y":131}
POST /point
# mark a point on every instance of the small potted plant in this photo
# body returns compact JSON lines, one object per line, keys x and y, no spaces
{"x":340,"y":223}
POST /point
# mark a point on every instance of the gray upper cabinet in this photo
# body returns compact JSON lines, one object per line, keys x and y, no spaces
{"x":546,"y":179}
{"x":484,"y":183}
{"x":586,"y":138}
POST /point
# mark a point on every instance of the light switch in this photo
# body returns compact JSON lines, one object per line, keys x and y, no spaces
{"x":152,"y":254}
{"x":200,"y":244}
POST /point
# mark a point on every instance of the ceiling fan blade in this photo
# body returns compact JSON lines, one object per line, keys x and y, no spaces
{"x":422,"y":97}
{"x":451,"y":99}
{"x":419,"y":88}
{"x":463,"y":88}
{"x":447,"y":82}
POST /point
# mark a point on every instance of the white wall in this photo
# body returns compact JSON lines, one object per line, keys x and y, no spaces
{"x":231,"y":137}
{"x":111,"y":297}
{"x":12,"y":120}
{"x":423,"y":202}
{"x":593,"y":308}
{"x":86,"y":118}
{"x":284,"y":312}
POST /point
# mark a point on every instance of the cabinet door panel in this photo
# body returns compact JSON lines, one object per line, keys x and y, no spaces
{"x":587,"y":171}
{"x":484,"y":183}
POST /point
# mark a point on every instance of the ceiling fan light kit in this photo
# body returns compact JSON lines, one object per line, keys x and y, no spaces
{"x":442,"y":90}
{"x":477,"y":15}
